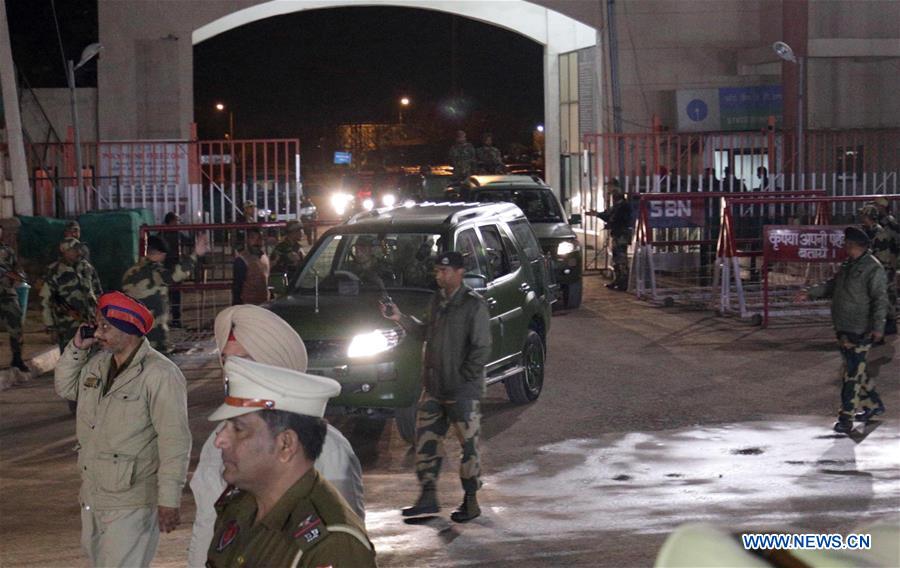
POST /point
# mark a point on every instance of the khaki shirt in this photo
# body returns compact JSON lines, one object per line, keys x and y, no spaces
{"x":311,"y":525}
{"x":134,"y":442}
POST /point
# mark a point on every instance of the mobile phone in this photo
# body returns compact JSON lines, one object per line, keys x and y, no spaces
{"x":87,"y":332}
{"x":388,"y":306}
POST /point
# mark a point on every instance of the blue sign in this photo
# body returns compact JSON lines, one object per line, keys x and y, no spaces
{"x":343,"y":157}
{"x":697,"y":110}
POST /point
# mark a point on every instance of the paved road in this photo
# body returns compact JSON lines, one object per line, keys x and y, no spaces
{"x":650,"y":418}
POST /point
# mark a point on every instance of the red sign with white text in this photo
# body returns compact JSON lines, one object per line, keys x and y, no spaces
{"x":804,"y":243}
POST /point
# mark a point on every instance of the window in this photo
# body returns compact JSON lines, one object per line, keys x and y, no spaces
{"x":511,"y":251}
{"x":468,"y":244}
{"x":495,"y":254}
{"x":525,"y":235}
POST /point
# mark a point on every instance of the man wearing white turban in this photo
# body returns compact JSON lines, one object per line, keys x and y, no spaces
{"x":258,"y":334}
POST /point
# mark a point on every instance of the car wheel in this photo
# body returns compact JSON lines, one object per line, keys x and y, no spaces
{"x":527,"y":386}
{"x":573,"y":295}
{"x":406,"y":422}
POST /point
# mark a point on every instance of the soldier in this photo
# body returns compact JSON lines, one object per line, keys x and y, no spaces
{"x":490,"y":161}
{"x":457,"y":335}
{"x":288,"y":254}
{"x":281,"y":511}
{"x":69,"y":294}
{"x":886,"y":248}
{"x":462,"y":157}
{"x":149,"y":281}
{"x":858,"y":309}
{"x":618,"y":223}
{"x":134,"y":440}
{"x":885,"y":218}
{"x":250,"y":271}
{"x":10,"y":310}
{"x":73,"y":230}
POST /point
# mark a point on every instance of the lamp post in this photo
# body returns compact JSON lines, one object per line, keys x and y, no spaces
{"x":404,"y":102}
{"x":89,"y":53}
{"x":785,"y":52}
{"x":221,"y":107}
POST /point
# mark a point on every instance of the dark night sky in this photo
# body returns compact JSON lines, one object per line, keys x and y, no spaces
{"x":301,"y":74}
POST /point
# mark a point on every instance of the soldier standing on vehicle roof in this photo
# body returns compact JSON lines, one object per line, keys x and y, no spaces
{"x":69,"y":294}
{"x":149,"y":281}
{"x":457,"y":335}
{"x":462,"y":157}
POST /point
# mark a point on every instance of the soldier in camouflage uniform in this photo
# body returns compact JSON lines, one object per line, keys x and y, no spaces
{"x":70,"y":292}
{"x":10,"y":310}
{"x":288,"y":255}
{"x":457,"y":335}
{"x":149,"y":281}
{"x":73,"y":230}
{"x":618,"y":222}
{"x":490,"y":161}
{"x":462,"y":157}
{"x":886,"y":248}
{"x":885,"y":218}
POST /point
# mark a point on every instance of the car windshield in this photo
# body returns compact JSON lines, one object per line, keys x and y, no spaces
{"x":539,"y":205}
{"x":350,"y":263}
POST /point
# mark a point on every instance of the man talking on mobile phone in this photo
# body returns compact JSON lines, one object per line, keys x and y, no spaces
{"x":134,"y":440}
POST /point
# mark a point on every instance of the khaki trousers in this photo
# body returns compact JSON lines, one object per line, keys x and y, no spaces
{"x":125,"y":538}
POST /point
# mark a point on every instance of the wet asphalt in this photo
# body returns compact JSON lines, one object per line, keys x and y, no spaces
{"x":650,"y":418}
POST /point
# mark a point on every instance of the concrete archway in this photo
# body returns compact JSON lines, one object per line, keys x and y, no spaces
{"x":557,"y":32}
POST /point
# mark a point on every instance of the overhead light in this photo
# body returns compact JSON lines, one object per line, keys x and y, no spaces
{"x":89,"y":53}
{"x":784,"y":51}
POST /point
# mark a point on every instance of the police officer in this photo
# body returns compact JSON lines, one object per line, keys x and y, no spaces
{"x":462,"y":157}
{"x":618,"y":223}
{"x":885,"y":245}
{"x":457,"y":335}
{"x":858,"y":308}
{"x":281,"y":511}
{"x":69,"y":294}
{"x":10,"y":310}
{"x":149,"y":281}
{"x":288,"y":254}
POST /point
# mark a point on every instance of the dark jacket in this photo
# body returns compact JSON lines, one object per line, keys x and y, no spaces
{"x":457,"y":335}
{"x":859,"y":296}
{"x":617,"y":219}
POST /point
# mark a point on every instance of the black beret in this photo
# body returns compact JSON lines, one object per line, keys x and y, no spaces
{"x":156,"y":244}
{"x":452,"y":259}
{"x":856,"y":235}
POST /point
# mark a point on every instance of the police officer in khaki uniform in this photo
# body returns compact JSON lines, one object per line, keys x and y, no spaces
{"x":280,"y":511}
{"x":134,"y":440}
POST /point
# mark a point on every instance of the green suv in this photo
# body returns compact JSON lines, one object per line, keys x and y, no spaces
{"x":543,"y":210}
{"x":334,"y":304}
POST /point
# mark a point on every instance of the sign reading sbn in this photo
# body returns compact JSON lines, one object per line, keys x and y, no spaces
{"x":670,"y":213}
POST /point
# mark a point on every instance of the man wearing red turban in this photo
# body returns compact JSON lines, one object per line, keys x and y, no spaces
{"x":133,"y":433}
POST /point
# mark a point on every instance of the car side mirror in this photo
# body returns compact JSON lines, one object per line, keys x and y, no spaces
{"x":575,"y":219}
{"x":475,"y":281}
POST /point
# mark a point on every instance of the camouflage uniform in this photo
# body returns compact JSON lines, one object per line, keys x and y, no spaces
{"x":490,"y":160}
{"x":10,"y":310}
{"x":462,"y":158}
{"x":457,"y":338}
{"x":885,"y":245}
{"x":149,"y":282}
{"x":618,"y":221}
{"x":286,"y":259}
{"x":69,"y":295}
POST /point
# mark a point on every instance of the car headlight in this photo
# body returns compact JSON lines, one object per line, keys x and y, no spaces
{"x":368,"y":204}
{"x":339,"y":202}
{"x":373,"y":343}
{"x":566,"y":247}
{"x":389,"y":200}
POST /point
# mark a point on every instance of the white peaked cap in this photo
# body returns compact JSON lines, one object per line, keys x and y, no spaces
{"x":256,"y":386}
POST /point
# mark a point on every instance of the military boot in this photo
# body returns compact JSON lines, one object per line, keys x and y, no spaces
{"x":843,"y":426}
{"x":426,"y":504}
{"x":17,"y":362}
{"x":869,"y":413}
{"x":467,"y":511}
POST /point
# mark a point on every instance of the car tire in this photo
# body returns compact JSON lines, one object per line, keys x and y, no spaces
{"x":406,"y":422}
{"x":573,"y":295}
{"x":527,"y":386}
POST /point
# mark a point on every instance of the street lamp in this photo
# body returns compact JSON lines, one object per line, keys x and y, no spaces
{"x":404,"y":102}
{"x":785,"y":52}
{"x":540,"y":128}
{"x":89,"y":53}
{"x":221,"y":107}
